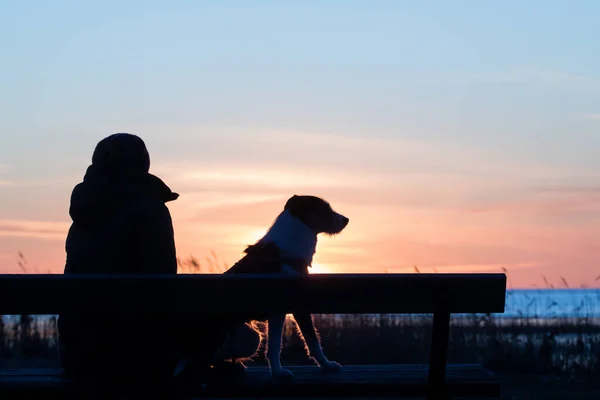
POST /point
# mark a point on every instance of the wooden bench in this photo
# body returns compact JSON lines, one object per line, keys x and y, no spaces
{"x":437,"y":294}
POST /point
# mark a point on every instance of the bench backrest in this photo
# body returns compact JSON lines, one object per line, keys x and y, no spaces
{"x":216,"y":293}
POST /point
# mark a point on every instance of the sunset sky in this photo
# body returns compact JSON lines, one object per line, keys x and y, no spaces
{"x":457,"y":136}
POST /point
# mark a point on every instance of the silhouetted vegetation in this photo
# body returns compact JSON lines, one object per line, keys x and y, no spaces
{"x":535,"y":347}
{"x":28,"y":340}
{"x":524,"y":344}
{"x":210,"y":265}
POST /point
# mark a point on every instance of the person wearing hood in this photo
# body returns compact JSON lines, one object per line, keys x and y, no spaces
{"x":121,"y":225}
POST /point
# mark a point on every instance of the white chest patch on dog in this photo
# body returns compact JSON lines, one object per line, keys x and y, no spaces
{"x":293,"y":238}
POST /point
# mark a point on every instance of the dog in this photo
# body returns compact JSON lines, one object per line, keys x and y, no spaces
{"x":288,"y":247}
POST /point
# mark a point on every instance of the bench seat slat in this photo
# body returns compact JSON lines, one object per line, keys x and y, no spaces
{"x":217,"y":293}
{"x":364,"y":380}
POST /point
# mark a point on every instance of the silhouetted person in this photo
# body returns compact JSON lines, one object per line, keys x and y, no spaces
{"x":120,"y":225}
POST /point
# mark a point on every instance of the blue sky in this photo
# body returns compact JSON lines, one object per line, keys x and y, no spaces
{"x":443,"y":104}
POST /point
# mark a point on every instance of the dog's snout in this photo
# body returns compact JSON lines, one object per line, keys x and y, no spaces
{"x":341,"y":221}
{"x":344,"y":221}
{"x":338,"y":223}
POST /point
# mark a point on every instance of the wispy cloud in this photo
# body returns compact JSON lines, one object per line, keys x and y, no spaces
{"x":559,"y":206}
{"x":54,"y":183}
{"x":409,"y":201}
{"x":3,"y":171}
{"x":590,"y":189}
{"x":593,"y":117}
{"x":562,"y":204}
{"x":34,"y":229}
{"x":283,"y":160}
{"x":253,"y":176}
{"x":405,"y":175}
{"x":530,"y":75}
{"x":468,"y":267}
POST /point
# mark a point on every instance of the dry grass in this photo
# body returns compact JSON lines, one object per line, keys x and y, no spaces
{"x":211,"y":265}
{"x":562,"y":347}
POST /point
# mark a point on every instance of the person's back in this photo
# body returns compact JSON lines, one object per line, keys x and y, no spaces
{"x":121,"y":225}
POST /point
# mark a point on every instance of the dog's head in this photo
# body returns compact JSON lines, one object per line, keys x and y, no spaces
{"x":317,"y":214}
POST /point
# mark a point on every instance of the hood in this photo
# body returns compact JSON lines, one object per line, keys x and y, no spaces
{"x":120,"y":155}
{"x":117,"y":178}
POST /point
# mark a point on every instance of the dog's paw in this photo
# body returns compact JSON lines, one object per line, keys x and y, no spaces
{"x":330,"y":366}
{"x":282,"y":374}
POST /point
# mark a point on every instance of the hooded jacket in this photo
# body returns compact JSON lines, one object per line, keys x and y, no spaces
{"x":121,"y":225}
{"x":120,"y":221}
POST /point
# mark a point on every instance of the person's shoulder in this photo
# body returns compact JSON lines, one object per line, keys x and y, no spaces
{"x":149,"y":208}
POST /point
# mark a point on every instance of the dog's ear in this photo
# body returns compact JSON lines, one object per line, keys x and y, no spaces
{"x":290,"y":202}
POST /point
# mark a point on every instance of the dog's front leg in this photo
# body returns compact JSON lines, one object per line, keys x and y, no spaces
{"x":308,"y":332}
{"x":274,"y":339}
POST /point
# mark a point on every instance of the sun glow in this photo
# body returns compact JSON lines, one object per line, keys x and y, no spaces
{"x":319,"y":269}
{"x":253,"y":236}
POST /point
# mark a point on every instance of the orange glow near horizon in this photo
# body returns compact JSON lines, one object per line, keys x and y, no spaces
{"x":399,"y":222}
{"x":361,"y":248}
{"x":380,"y":240}
{"x":320,"y":269}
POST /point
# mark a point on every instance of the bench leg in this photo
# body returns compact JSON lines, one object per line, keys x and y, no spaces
{"x":438,"y":356}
